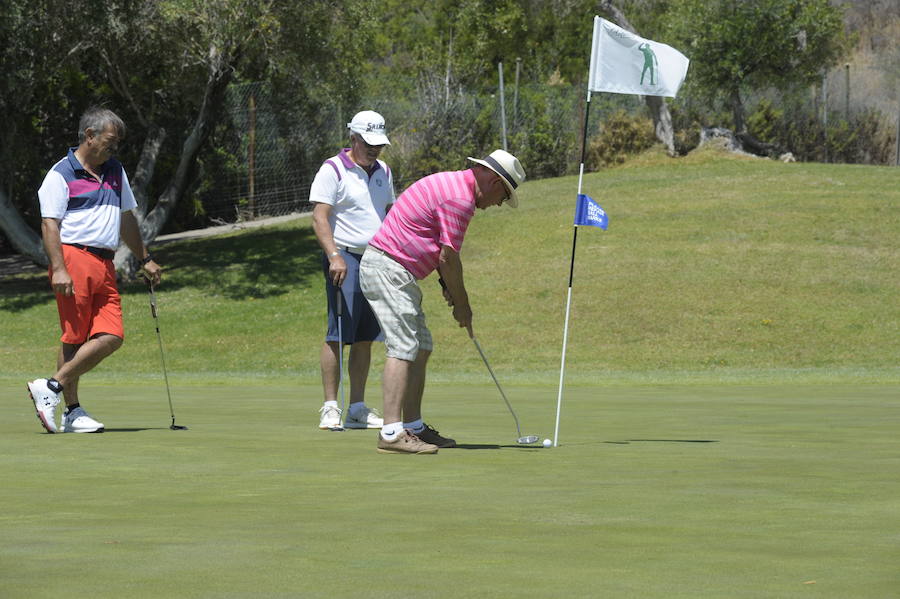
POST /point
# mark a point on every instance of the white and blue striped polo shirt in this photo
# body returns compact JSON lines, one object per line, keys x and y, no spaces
{"x":89,"y":210}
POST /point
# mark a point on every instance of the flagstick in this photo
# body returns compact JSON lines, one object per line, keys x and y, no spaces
{"x":562,"y":366}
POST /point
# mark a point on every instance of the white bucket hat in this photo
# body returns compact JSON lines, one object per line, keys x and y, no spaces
{"x":370,"y":126}
{"x":510,"y":170}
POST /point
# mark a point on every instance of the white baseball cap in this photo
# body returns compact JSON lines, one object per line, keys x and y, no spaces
{"x":370,"y":126}
{"x":510,"y":170}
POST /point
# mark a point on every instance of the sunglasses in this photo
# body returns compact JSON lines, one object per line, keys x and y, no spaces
{"x":505,"y":191}
{"x":368,"y":145}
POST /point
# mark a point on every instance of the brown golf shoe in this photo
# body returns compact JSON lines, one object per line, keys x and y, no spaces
{"x":405,"y":442}
{"x":429,"y":435}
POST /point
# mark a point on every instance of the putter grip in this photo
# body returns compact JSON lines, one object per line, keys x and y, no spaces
{"x":152,"y":297}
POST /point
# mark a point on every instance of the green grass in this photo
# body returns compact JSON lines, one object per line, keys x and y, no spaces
{"x":728,"y":427}
{"x":656,"y":491}
{"x":713,"y":268}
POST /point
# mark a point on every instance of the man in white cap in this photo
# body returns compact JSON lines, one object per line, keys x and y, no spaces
{"x":352,"y":193}
{"x":424,"y":232}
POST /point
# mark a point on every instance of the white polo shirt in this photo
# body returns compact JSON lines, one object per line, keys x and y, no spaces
{"x":89,"y":211}
{"x":359,"y":202}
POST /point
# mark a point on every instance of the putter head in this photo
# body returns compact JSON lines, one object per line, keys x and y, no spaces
{"x":527,"y":440}
{"x":337,"y":429}
{"x":176,"y":427}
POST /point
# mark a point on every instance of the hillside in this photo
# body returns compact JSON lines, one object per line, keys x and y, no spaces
{"x":713,"y":267}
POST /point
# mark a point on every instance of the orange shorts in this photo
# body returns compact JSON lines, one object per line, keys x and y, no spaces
{"x":96,"y":306}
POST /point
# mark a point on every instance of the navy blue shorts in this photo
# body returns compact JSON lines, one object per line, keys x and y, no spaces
{"x":358,"y":322}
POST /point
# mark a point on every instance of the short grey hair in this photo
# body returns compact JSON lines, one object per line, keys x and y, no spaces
{"x":97,"y":119}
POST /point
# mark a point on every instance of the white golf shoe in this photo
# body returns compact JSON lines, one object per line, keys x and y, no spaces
{"x":79,"y":421}
{"x":45,"y":402}
{"x":329,"y":417}
{"x":363,"y":418}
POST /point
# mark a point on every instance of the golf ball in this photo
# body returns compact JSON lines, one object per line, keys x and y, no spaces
{"x":547,"y":443}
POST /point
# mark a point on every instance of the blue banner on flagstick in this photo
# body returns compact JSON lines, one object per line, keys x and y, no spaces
{"x":588,"y":212}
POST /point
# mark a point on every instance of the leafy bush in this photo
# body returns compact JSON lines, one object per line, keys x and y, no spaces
{"x":867,"y":138}
{"x":440,"y":125}
{"x":545,"y":137}
{"x":764,"y":122}
{"x":621,"y":135}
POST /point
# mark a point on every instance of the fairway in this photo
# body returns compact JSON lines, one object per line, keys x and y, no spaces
{"x":655,"y":491}
{"x":729,"y":426}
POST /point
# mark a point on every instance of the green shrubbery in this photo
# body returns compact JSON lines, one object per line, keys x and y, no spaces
{"x":866,"y":138}
{"x":436,"y":131}
{"x":621,"y":135}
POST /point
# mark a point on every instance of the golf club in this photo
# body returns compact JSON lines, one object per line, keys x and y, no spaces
{"x":526,"y":440}
{"x":162,"y":356}
{"x":339,"y":301}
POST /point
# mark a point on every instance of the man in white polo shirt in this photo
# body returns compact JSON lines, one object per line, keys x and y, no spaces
{"x":86,"y":205}
{"x":352,"y":193}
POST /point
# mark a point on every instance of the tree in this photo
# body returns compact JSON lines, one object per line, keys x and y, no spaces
{"x":35,"y":95}
{"x":213,"y":40}
{"x":164,"y":66}
{"x":740,"y":45}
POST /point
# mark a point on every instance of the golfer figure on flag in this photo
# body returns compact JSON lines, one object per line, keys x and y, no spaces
{"x":649,"y":62}
{"x":424,"y":232}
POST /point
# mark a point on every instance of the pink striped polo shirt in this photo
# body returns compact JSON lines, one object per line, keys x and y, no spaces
{"x":433,"y":212}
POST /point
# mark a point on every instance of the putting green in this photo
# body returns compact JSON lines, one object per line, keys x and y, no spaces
{"x":655,"y":491}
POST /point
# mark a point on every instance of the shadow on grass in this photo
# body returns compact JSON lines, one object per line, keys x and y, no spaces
{"x":20,"y":292}
{"x":491,"y":446}
{"x":136,"y":430}
{"x":260,"y":263}
{"x":113,"y":430}
{"x":661,"y":441}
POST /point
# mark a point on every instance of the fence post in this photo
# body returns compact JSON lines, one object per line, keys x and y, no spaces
{"x":897,"y":154}
{"x":825,"y":111}
{"x":251,"y":158}
{"x":516,"y":96}
{"x":847,"y":88}
{"x":502,"y":104}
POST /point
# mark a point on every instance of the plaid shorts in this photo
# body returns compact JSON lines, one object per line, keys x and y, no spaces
{"x":396,"y":299}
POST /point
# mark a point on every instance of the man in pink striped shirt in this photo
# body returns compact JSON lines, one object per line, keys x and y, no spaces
{"x":423,"y":232}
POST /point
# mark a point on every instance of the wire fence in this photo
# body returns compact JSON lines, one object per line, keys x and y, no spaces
{"x":258,"y":177}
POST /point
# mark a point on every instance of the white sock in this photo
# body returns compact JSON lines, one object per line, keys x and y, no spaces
{"x":390,"y":431}
{"x":416,"y":426}
{"x":331,"y":404}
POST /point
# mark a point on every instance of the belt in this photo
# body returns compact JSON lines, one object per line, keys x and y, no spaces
{"x":384,"y":253}
{"x":352,"y":250}
{"x":104,"y":253}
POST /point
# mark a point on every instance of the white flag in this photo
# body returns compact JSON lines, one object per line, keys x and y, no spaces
{"x":623,"y":63}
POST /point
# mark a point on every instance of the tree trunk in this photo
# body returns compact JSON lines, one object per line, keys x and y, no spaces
{"x":662,"y":118}
{"x":143,"y":172}
{"x":662,"y":122}
{"x":220,"y":75}
{"x":20,"y":235}
{"x":737,"y":111}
